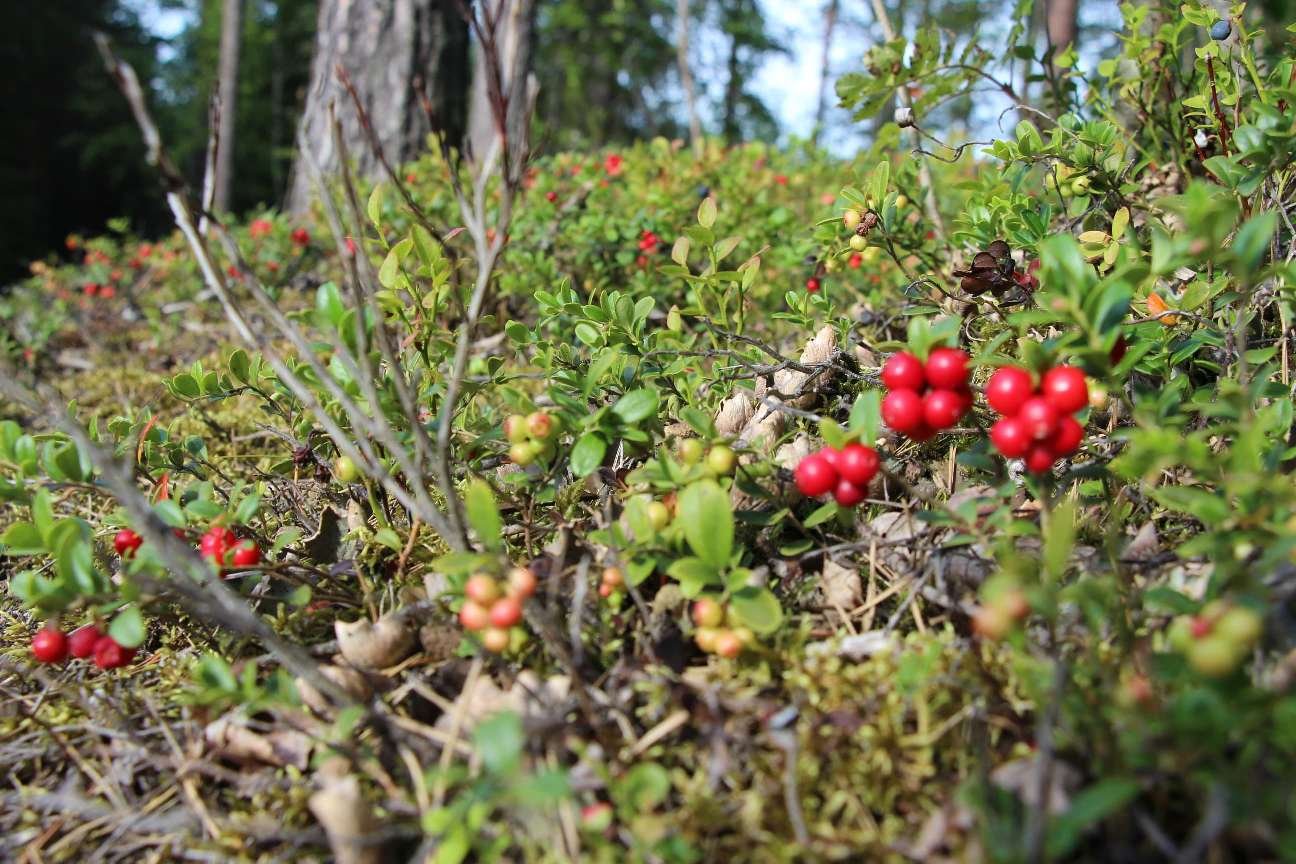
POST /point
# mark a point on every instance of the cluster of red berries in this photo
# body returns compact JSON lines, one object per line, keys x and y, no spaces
{"x":492,"y":609}
{"x":219,"y":545}
{"x":94,"y":289}
{"x":713,"y":636}
{"x":923,"y":399}
{"x":260,"y":228}
{"x":530,"y":437}
{"x":845,"y":473}
{"x":52,"y":645}
{"x":649,"y":244}
{"x":1037,"y":422}
{"x":301,"y":237}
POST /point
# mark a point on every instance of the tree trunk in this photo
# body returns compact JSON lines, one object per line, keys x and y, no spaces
{"x":512,"y":35}
{"x":227,"y":86}
{"x":1061,"y":23}
{"x":686,"y":74}
{"x":391,"y":49}
{"x":825,"y":70}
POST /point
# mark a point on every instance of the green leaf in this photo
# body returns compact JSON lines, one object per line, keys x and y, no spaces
{"x":1201,"y":504}
{"x":43,"y":513}
{"x":636,"y":405}
{"x":587,"y":455}
{"x":644,"y":786}
{"x":328,"y":304}
{"x":821,"y":515}
{"x":214,"y":672}
{"x":693,"y":575}
{"x":1087,"y":809}
{"x":1059,"y":537}
{"x":373,"y":209}
{"x":127,"y":629}
{"x":22,"y":538}
{"x":483,"y":515}
{"x":498,"y":740}
{"x":708,"y":521}
{"x":706,"y":213}
{"x":247,"y":508}
{"x":878,"y":182}
{"x":865,"y":416}
{"x":758,"y":608}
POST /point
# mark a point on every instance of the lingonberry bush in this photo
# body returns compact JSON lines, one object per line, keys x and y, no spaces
{"x":645,"y":505}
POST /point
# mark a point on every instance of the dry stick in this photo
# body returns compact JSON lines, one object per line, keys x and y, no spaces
{"x":209,"y":162}
{"x":157,"y":156}
{"x":195,"y":583}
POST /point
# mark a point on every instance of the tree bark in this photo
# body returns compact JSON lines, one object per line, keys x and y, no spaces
{"x":227,"y":86}
{"x":686,"y":74}
{"x":1060,"y":20}
{"x":390,"y":48}
{"x":512,"y":34}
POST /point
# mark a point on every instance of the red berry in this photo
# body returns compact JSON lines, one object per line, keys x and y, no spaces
{"x":858,"y":464}
{"x":832,"y":456}
{"x":942,"y":408}
{"x":551,"y":197}
{"x":1040,"y":417}
{"x":902,"y":410}
{"x":505,"y":612}
{"x":82,"y":641}
{"x":474,"y":616}
{"x":903,"y":371}
{"x":1067,"y":437}
{"x":1008,"y":388}
{"x":847,"y":494}
{"x":247,"y":554}
{"x":1010,"y":438}
{"x":126,"y":542}
{"x":49,"y":645}
{"x":947,"y":368}
{"x":300,"y":237}
{"x":1065,"y":389}
{"x":812,"y":285}
{"x":109,"y":655}
{"x":922,"y":433}
{"x":815,"y":476}
{"x":1039,"y":459}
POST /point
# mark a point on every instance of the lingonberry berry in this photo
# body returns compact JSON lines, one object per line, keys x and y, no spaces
{"x":720,"y":460}
{"x":474,"y":616}
{"x":858,"y":463}
{"x":1065,"y":389}
{"x":82,"y":641}
{"x":109,"y":654}
{"x":126,"y":542}
{"x":1039,"y":459}
{"x":495,"y":640}
{"x":481,"y":588}
{"x":1010,"y":438}
{"x":246,"y":554}
{"x":506,"y":612}
{"x":902,"y":410}
{"x":942,"y":408}
{"x":847,"y":494}
{"x":707,"y":613}
{"x":1008,"y":389}
{"x":815,"y":476}
{"x":812,"y":285}
{"x":521,"y":582}
{"x":1040,"y":417}
{"x":903,"y":371}
{"x":49,"y":645}
{"x":946,"y":368}
{"x":1066,"y":437}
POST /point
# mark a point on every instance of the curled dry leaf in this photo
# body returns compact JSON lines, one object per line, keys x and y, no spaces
{"x":227,"y":738}
{"x":790,"y":454}
{"x":841,"y":586}
{"x":1021,"y":777}
{"x":528,"y":697}
{"x":352,"y":681}
{"x":733,"y":414}
{"x":374,"y":646}
{"x":347,"y":819}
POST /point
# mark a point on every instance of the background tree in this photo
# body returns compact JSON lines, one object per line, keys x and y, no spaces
{"x":389,"y":48}
{"x":227,"y":85}
{"x":70,"y":158}
{"x":742,"y":113}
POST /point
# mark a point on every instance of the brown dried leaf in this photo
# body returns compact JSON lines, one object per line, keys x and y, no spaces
{"x":374,"y":646}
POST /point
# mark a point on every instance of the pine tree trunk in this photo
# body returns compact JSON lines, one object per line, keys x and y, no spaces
{"x":390,"y":48}
{"x":227,"y":84}
{"x":513,"y":37}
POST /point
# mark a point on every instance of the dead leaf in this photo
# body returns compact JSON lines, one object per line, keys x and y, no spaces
{"x":374,"y":646}
{"x":841,"y":586}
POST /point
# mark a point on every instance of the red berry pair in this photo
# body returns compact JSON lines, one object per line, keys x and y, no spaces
{"x":845,"y":473}
{"x":648,"y":242}
{"x":1037,"y":424}
{"x":220,"y":546}
{"x":51,"y":645}
{"x":925,"y":398}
